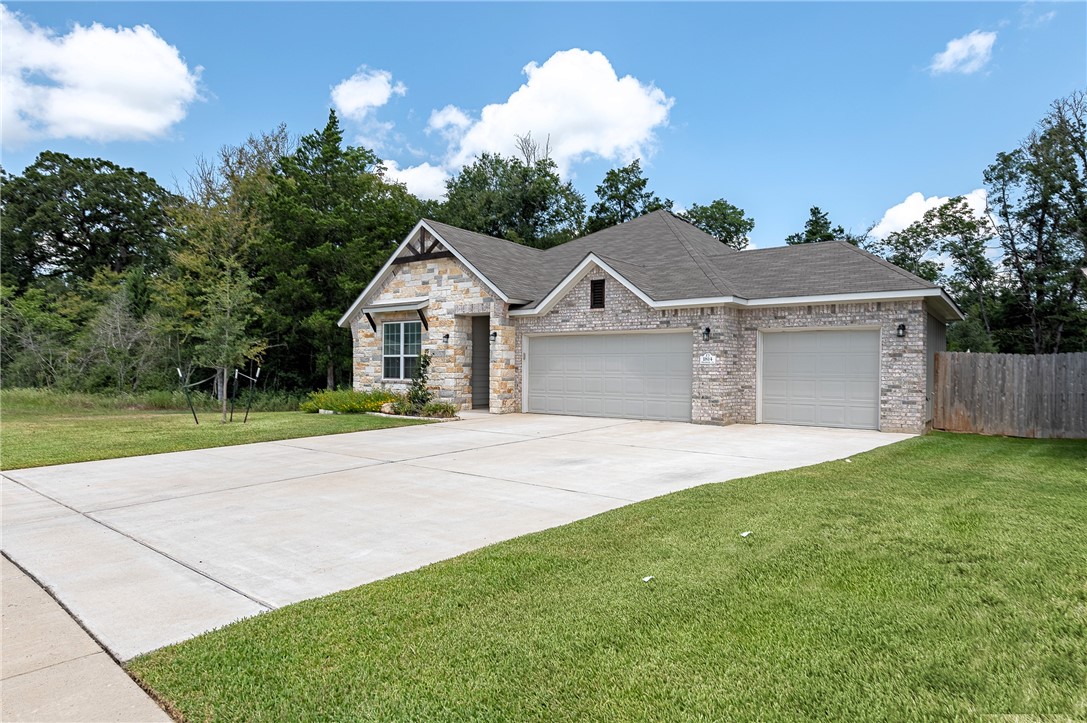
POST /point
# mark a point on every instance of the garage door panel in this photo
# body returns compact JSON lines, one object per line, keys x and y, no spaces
{"x":831,"y":389}
{"x":833,"y":415}
{"x":825,"y":377}
{"x":801,"y":389}
{"x":640,"y":376}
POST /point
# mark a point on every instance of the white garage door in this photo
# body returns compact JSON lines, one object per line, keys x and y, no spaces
{"x":821,"y":378}
{"x":635,"y":376}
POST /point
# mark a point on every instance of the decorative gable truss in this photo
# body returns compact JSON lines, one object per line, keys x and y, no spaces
{"x":423,"y":243}
{"x":424,"y":248}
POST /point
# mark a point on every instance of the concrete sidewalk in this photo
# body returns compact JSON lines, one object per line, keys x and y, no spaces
{"x":53,"y":670}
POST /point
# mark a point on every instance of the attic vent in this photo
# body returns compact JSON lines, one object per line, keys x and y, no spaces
{"x":596,"y":294}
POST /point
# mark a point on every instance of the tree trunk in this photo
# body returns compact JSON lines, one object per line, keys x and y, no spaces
{"x":330,"y":382}
{"x":222,"y":391}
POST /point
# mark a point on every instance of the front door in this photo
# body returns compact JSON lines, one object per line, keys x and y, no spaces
{"x":481,"y":362}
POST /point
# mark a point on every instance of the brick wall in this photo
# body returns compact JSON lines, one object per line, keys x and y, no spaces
{"x":723,"y":392}
{"x":902,"y":366}
{"x":623,"y":311}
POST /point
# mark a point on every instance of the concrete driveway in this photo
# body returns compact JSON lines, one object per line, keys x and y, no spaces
{"x":148,"y":551}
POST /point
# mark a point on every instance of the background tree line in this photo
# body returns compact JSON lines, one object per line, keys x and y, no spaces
{"x":110,"y":281}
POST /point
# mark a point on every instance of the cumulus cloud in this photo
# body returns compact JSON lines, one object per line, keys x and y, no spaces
{"x":914,"y":207}
{"x":424,"y":180}
{"x":357,"y":99}
{"x":575,"y":99}
{"x":449,"y":121}
{"x":965,"y":55}
{"x":365,"y":91}
{"x":93,"y":83}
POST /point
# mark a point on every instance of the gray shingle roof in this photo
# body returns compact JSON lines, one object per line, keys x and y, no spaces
{"x":510,"y":266}
{"x":668,"y":259}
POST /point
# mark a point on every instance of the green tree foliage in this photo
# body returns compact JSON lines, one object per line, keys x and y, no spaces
{"x":721,"y":219}
{"x":211,"y":304}
{"x":952,"y":245}
{"x":333,"y":220}
{"x":1038,"y":199}
{"x":524,"y":201}
{"x":817,"y":229}
{"x":224,"y":329}
{"x":124,"y":340}
{"x":622,"y":196}
{"x":73,"y":216}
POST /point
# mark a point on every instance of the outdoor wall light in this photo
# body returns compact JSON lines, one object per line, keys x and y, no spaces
{"x":901,"y":330}
{"x":494,"y":335}
{"x":706,"y":334}
{"x":445,"y":338}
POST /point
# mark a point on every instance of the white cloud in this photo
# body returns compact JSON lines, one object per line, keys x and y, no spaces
{"x":358,"y":97}
{"x":914,"y":207}
{"x":425,"y":181}
{"x":449,"y":121}
{"x":365,"y":91}
{"x":1030,"y":18}
{"x":94,"y":83}
{"x":966,"y":55}
{"x":576,"y":100}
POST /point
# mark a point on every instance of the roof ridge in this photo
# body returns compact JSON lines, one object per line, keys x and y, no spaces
{"x":484,"y":235}
{"x":700,"y":259}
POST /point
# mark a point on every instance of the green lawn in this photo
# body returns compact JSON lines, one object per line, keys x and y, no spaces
{"x":943,"y":577}
{"x":36,"y":431}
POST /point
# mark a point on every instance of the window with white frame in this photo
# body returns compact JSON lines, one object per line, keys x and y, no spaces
{"x":401,"y":344}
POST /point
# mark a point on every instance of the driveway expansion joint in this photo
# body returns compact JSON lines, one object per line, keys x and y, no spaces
{"x":152,"y":548}
{"x":521,"y":482}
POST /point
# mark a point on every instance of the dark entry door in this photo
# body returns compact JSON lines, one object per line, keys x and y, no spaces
{"x":481,"y":362}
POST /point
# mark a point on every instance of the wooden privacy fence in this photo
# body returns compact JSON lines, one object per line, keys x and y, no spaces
{"x":1017,"y":395}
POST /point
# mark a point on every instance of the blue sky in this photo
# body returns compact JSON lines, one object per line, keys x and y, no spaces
{"x":870,"y":111}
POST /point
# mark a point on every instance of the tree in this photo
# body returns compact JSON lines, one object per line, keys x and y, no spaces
{"x":332,"y":219}
{"x":818,"y":229}
{"x":953,"y":234}
{"x":225,"y":340}
{"x":124,"y":337}
{"x":208,"y":297}
{"x":524,"y":201}
{"x":1038,"y":201}
{"x":72,"y":216}
{"x":727,"y":223}
{"x":622,"y":196}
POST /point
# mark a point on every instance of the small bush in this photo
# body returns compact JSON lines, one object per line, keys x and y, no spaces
{"x":418,"y":394}
{"x":444,"y":410}
{"x":347,"y":401}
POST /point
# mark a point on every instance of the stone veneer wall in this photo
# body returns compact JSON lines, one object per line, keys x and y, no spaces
{"x":455,"y":296}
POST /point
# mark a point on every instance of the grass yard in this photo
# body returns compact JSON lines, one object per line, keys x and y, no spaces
{"x":943,"y":577}
{"x":36,"y":430}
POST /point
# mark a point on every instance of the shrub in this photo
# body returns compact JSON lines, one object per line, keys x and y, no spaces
{"x":347,"y":401}
{"x":440,"y":409}
{"x":418,"y":394}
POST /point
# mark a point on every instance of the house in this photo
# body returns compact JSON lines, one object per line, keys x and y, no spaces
{"x":654,"y":319}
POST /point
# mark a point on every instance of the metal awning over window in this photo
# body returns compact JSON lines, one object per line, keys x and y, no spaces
{"x":416,"y":305}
